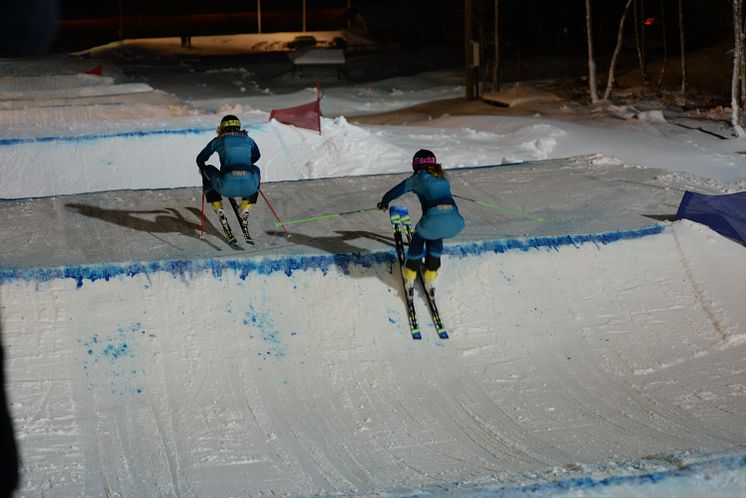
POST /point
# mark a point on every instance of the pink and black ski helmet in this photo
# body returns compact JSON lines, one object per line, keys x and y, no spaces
{"x":422,"y":159}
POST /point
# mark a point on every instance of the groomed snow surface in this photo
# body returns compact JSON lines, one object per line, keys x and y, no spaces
{"x":604,"y":364}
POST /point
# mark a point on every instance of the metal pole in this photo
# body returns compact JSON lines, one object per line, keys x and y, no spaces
{"x":202,"y":223}
{"x":287,"y":234}
{"x":304,"y":16}
{"x":259,"y":16}
{"x":468,"y":51}
{"x":121,"y":22}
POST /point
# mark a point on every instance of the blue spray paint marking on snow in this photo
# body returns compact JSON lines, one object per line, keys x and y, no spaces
{"x":392,"y":315}
{"x":290,"y":264}
{"x":109,"y":362}
{"x":12,"y":141}
{"x":274,"y":344}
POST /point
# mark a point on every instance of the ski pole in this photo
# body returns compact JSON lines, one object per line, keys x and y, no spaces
{"x":516,"y":212}
{"x":325,"y":216}
{"x":275,"y":213}
{"x":202,"y":224}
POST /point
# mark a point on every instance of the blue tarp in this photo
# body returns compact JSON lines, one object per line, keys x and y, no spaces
{"x":726,"y":214}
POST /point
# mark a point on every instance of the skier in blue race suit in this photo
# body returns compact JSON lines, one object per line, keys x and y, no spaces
{"x":238,"y":175}
{"x":440,"y":217}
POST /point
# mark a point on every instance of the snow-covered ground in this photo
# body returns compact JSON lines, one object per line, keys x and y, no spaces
{"x":604,"y":364}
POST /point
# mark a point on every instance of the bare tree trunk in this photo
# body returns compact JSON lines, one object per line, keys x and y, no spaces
{"x":617,"y":49}
{"x":742,"y":76}
{"x":665,"y":46}
{"x":482,"y":49}
{"x":737,"y":60}
{"x":639,"y":43}
{"x":742,"y":67}
{"x":496,"y":60}
{"x":591,"y":61}
{"x":682,"y":47}
{"x":468,"y":50}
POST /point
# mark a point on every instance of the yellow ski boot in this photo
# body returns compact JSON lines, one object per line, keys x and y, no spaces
{"x":429,"y":277}
{"x":409,"y":276}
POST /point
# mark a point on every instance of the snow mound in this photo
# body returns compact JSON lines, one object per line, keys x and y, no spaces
{"x":65,"y":86}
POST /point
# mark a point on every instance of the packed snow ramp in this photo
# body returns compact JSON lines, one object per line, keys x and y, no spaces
{"x":296,"y":375}
{"x":143,"y":361}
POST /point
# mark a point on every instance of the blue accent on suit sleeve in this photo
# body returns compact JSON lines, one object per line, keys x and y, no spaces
{"x":205,"y":154}
{"x":396,"y":192}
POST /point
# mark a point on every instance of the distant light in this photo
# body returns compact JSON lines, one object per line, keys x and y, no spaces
{"x":650,"y":21}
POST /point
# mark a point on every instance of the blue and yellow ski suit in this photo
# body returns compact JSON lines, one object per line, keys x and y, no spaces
{"x":440,"y":217}
{"x":238,"y":175}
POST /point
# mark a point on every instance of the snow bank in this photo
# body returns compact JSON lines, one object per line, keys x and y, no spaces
{"x":163,"y":156}
{"x":64,"y":86}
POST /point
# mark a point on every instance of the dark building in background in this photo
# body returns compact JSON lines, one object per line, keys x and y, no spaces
{"x":531,"y":26}
{"x":86,"y":23}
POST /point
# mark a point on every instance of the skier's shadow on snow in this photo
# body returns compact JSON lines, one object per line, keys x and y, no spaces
{"x":168,"y":220}
{"x":335,"y":244}
{"x":338,"y":247}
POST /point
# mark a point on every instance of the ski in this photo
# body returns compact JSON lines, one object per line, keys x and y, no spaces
{"x":429,"y":296}
{"x":229,"y":237}
{"x":395,"y":218}
{"x":241,"y":222}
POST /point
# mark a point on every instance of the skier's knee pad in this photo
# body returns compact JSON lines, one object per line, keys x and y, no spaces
{"x":432,"y":263}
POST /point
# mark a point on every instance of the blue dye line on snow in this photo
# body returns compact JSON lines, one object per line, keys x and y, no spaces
{"x":289,"y":264}
{"x":549,"y":242}
{"x":710,"y":467}
{"x":11,"y":141}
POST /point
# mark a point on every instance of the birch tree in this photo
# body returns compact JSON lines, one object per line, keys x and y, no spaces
{"x":640,"y":40}
{"x":617,"y":49}
{"x":737,"y":61}
{"x":591,"y":61}
{"x":665,"y":46}
{"x":496,"y":60}
{"x":682,"y":48}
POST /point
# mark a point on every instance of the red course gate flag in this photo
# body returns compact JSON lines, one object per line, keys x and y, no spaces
{"x":303,"y":116}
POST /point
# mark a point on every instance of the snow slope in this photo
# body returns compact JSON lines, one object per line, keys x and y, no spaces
{"x":297,"y":376}
{"x":600,"y":364}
